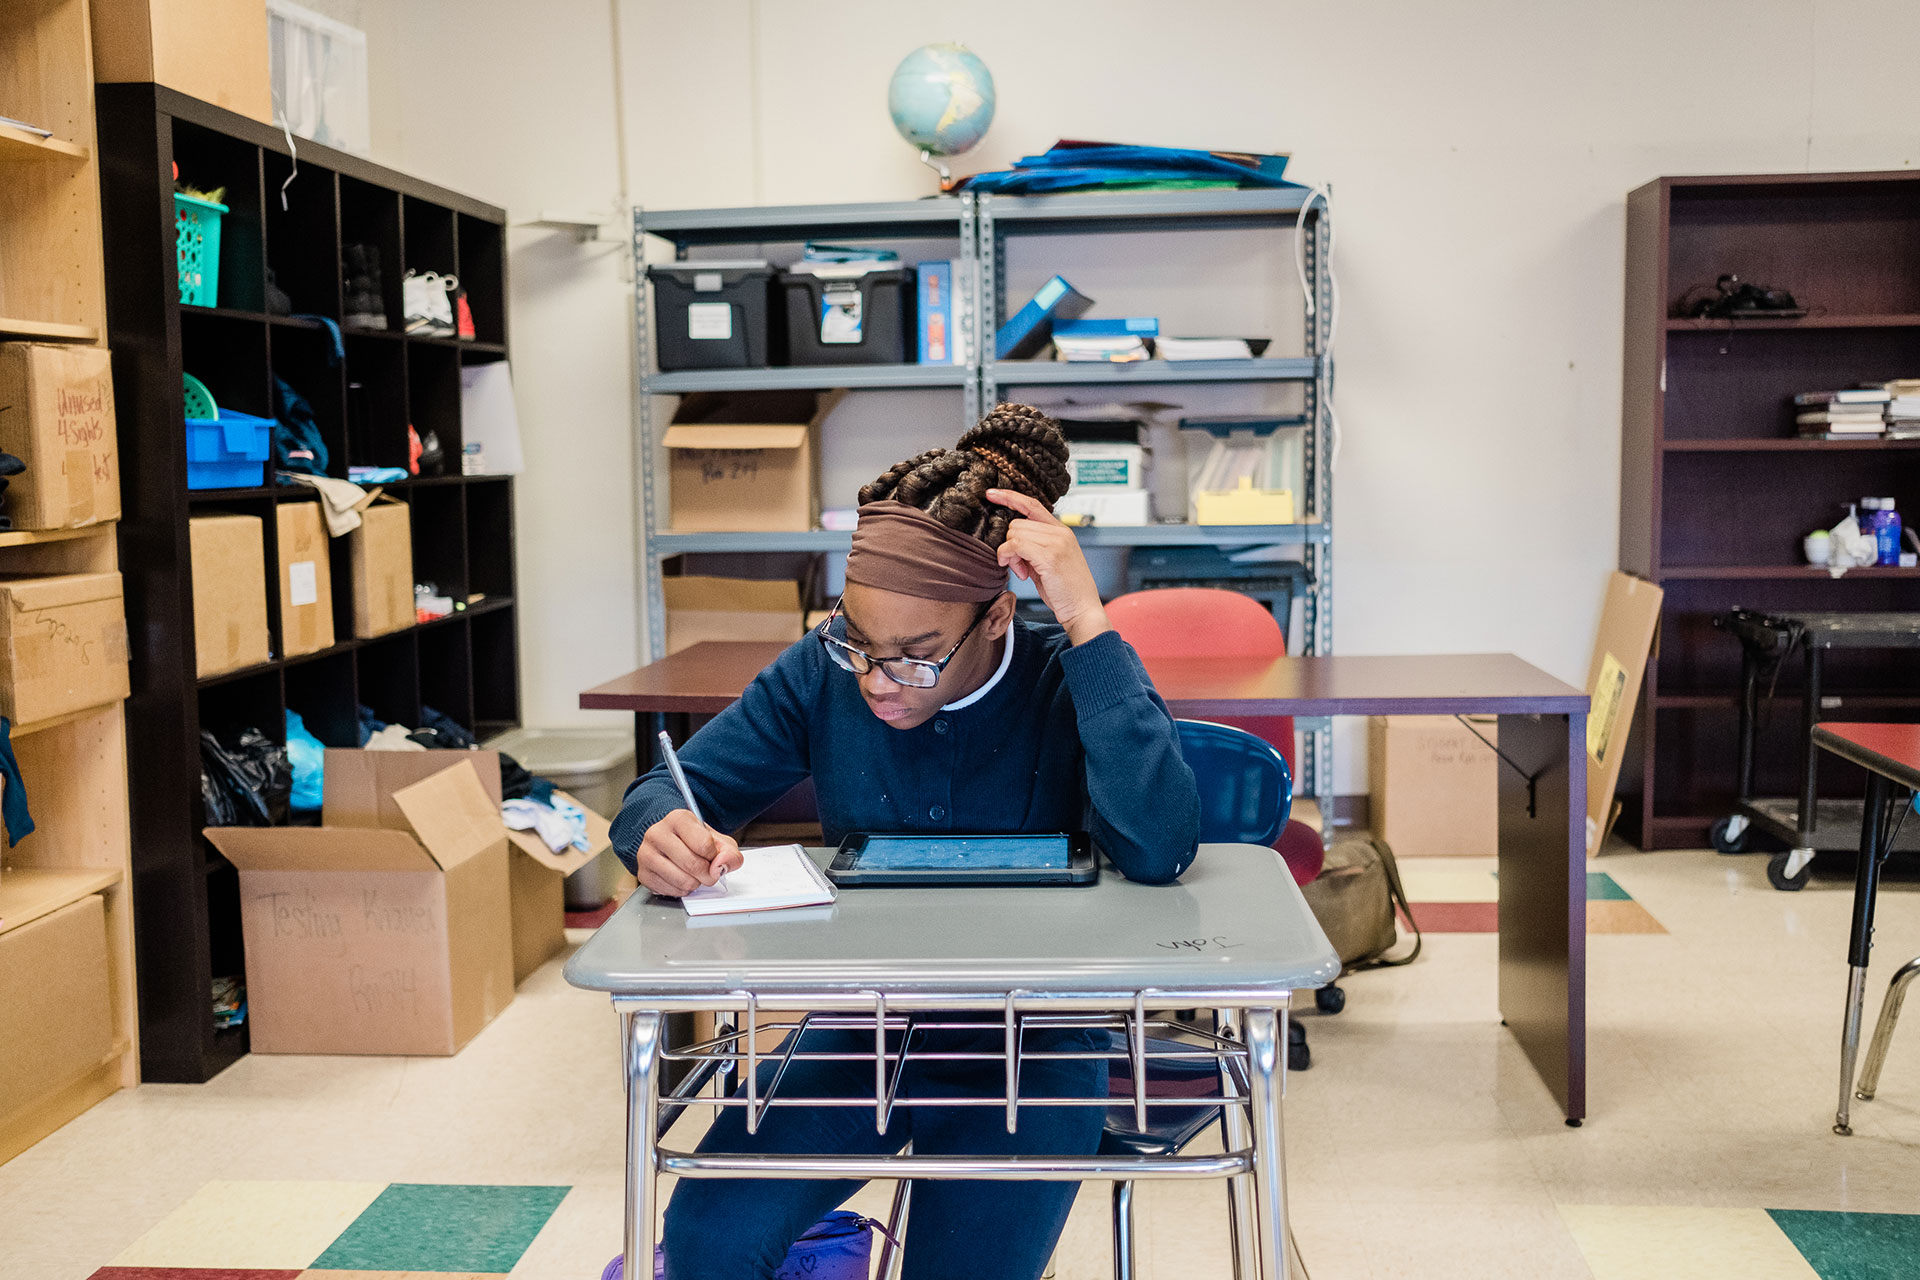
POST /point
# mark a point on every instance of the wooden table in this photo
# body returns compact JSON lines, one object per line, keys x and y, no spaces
{"x":1542,"y":792}
{"x":1890,"y":753}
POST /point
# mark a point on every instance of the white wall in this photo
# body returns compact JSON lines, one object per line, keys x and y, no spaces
{"x":1479,"y":154}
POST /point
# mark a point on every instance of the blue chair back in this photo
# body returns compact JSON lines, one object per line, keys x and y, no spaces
{"x":1246,"y":789}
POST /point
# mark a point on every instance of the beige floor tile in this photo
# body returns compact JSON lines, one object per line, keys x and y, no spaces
{"x":1481,"y":1242}
{"x":252,"y":1225}
{"x":1632,"y":1242}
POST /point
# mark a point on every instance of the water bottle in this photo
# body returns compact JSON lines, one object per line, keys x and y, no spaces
{"x":1880,"y":522}
{"x":1887,"y":533}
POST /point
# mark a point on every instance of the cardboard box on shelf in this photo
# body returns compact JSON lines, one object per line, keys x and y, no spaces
{"x":702,"y":608}
{"x":56,"y":415}
{"x":56,"y":1012}
{"x":1433,"y":785}
{"x":306,"y":579}
{"x":63,"y":644}
{"x":395,"y":940}
{"x":746,"y":462}
{"x":361,"y":787}
{"x":1628,"y":621}
{"x":229,"y":555}
{"x":215,"y":50}
{"x":381,"y":554}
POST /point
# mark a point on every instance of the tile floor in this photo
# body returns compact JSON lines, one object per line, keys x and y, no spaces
{"x":1421,"y":1144}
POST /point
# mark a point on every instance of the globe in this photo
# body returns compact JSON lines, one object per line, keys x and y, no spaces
{"x":941,"y":98}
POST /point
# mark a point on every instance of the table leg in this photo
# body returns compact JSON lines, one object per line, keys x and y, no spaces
{"x":1543,"y":899}
{"x":1866,"y":884}
{"x":640,"y":1049}
{"x":1235,"y":1137}
{"x":1266,"y":1030}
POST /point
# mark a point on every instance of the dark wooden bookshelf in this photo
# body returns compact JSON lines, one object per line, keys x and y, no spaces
{"x":1717,"y":491}
{"x":186,"y":896}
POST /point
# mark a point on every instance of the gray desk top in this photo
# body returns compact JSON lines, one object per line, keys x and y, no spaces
{"x":1234,"y":922}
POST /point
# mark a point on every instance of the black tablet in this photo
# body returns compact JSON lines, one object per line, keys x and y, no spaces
{"x":874,"y":860}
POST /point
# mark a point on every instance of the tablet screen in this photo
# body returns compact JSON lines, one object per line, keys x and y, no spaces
{"x":964,"y":853}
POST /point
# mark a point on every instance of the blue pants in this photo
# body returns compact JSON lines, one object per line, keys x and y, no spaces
{"x":725,"y":1229}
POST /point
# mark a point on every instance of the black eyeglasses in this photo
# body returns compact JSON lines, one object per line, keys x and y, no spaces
{"x":914,"y":673}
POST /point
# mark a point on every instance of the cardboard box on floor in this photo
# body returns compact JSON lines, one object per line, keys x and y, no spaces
{"x":702,"y":608}
{"x":56,"y":415}
{"x":63,"y":644}
{"x":381,"y":552}
{"x":388,"y":940}
{"x":1628,"y":622}
{"x":746,"y":461}
{"x":229,"y":555}
{"x":306,"y":579}
{"x":361,"y":789}
{"x":1433,"y":786}
{"x":215,"y":50}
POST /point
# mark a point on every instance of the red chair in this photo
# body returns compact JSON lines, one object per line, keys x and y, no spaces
{"x":1201,"y":622}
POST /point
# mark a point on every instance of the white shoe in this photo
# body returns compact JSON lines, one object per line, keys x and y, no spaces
{"x":425,"y":302}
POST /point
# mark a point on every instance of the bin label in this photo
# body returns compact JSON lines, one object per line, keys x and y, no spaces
{"x":709,"y":320}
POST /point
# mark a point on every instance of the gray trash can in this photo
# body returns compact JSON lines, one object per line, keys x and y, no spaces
{"x":592,"y":765}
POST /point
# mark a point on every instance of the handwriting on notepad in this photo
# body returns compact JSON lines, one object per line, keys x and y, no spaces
{"x":1218,"y":942}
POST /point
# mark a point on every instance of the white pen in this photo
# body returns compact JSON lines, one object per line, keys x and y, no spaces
{"x":686,"y":792}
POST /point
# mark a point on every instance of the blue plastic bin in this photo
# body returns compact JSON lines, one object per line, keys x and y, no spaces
{"x":228,"y":452}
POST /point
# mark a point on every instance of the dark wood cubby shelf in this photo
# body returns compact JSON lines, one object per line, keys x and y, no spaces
{"x":1687,"y":324}
{"x":1717,"y":491}
{"x":466,"y":665}
{"x":1785,"y":444}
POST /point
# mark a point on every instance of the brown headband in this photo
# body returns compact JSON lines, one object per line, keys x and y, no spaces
{"x":901,"y":548}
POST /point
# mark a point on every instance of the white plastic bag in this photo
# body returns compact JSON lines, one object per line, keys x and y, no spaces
{"x":319,"y":71}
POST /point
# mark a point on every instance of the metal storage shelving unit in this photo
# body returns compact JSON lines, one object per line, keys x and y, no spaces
{"x":982,"y":226}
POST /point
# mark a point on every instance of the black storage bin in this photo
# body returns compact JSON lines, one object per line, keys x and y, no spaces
{"x":879,"y":303}
{"x":1273,"y":583}
{"x":712,"y":315}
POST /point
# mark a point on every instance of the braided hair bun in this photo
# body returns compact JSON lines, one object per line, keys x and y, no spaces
{"x":1014,"y":447}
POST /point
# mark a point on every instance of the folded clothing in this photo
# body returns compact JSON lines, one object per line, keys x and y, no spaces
{"x":560,"y":825}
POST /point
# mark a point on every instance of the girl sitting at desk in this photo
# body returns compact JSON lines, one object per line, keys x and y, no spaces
{"x":922,"y":705}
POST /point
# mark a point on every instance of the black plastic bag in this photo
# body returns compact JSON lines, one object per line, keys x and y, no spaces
{"x":252,"y":778}
{"x":441,"y":732}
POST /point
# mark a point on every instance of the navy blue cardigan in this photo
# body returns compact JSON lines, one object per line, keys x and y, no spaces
{"x":1069,"y":738}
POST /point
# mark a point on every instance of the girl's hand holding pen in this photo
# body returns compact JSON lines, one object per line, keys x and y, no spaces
{"x":680,"y":853}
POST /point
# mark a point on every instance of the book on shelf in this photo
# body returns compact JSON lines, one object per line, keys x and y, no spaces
{"x":1110,"y":339}
{"x":1849,"y":435}
{"x":1031,"y":327}
{"x":945,"y":313}
{"x":1871,"y":396}
{"x":1208,"y":348}
{"x":1842,"y":421}
{"x":1119,"y":349}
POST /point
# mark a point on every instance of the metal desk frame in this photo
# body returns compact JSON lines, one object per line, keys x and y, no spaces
{"x":1250,"y":1029}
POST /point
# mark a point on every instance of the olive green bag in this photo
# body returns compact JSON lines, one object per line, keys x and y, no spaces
{"x":1356,"y":897}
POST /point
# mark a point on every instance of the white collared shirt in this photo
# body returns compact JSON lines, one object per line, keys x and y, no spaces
{"x":1006,"y":660}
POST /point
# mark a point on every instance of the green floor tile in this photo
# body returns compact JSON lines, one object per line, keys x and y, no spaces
{"x":421,"y":1227}
{"x":1854,"y":1246}
{"x":1602,"y":887}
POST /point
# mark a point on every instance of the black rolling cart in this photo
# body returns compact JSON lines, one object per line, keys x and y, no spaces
{"x":1807,"y":824}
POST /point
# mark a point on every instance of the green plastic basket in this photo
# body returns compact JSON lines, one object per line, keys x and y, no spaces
{"x":196,"y":227}
{"x":199,"y":400}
